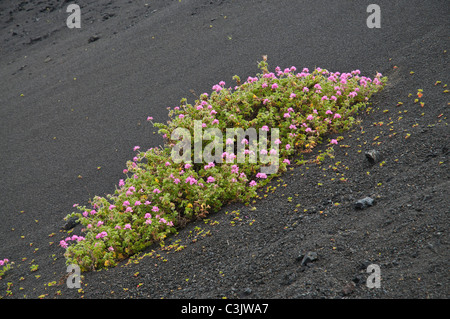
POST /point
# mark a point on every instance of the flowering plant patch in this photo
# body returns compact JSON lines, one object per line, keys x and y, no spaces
{"x":161,"y":193}
{"x":5,"y":265}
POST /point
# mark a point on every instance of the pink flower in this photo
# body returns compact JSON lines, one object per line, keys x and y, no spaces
{"x":155,"y":209}
{"x":148,"y":215}
{"x":324,"y":98}
{"x":210,"y":179}
{"x":261,"y":175}
{"x":187,"y":166}
{"x":263,"y":152}
{"x":149,"y":118}
{"x":111,"y":207}
{"x":292,"y":127}
{"x":190,"y":180}
{"x":128,"y":210}
{"x":265,"y":128}
{"x":264,"y":85}
{"x":101,"y":235}
{"x":252,"y":183}
{"x":117,"y":227}
{"x":62,"y":243}
{"x":286,"y":161}
{"x":213,"y":112}
{"x":126,"y":203}
{"x":136,"y":148}
{"x":221,"y":83}
{"x":210,"y":165}
{"x":215,"y":121}
{"x":156,"y":191}
{"x":127,"y":226}
{"x":110,"y":248}
{"x":148,"y":221}
{"x":217,"y":88}
{"x":288,"y":146}
{"x":121,"y":183}
{"x":147,"y":203}
{"x":337,"y":116}
{"x":137,"y":203}
{"x":181,"y":116}
{"x":328,"y":112}
{"x":176,"y":180}
{"x":286,"y":115}
{"x":310,"y":117}
{"x":278,"y":141}
{"x":167,"y":164}
{"x":99,"y":223}
{"x":274,"y":86}
{"x":234,"y":169}
{"x":273,"y":152}
{"x":333,"y":141}
{"x":308,"y":129}
{"x":305,"y":89}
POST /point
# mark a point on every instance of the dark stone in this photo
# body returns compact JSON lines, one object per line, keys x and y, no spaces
{"x":365,"y":202}
{"x":308,"y":258}
{"x":373,"y":156}
{"x":93,"y":38}
{"x":71,"y":223}
{"x":359,"y":279}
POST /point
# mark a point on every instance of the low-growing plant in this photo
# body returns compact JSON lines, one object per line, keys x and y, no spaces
{"x":5,"y":265}
{"x":160,"y":195}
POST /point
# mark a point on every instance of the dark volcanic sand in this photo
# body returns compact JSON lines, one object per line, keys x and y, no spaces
{"x":86,"y":96}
